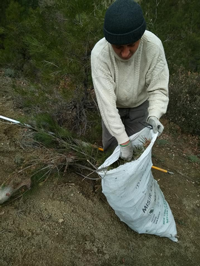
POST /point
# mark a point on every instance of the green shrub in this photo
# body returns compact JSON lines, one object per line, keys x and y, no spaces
{"x":193,"y":159}
{"x":177,"y":24}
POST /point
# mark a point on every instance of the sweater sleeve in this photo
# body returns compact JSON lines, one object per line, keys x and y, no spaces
{"x":104,"y":86}
{"x":157,"y":80}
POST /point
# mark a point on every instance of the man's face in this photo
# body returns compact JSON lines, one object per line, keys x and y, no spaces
{"x":126,"y":51}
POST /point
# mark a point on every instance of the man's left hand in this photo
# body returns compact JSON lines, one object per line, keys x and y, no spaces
{"x":155,"y":123}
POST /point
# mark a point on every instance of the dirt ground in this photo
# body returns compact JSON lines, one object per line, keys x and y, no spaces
{"x":67,"y":222}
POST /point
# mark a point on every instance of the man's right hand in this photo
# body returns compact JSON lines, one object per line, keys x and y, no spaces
{"x":126,"y":151}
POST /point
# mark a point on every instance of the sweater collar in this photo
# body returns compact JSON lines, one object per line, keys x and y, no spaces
{"x":125,"y":60}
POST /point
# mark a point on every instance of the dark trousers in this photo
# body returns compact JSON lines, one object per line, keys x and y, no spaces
{"x":133,"y":119}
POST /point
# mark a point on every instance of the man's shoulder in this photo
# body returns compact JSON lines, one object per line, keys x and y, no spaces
{"x":101,"y":48}
{"x":151,"y":39}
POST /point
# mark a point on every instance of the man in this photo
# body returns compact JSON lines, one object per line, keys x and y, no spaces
{"x":130,"y":76}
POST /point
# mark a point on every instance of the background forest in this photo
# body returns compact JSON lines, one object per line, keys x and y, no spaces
{"x":45,"y":47}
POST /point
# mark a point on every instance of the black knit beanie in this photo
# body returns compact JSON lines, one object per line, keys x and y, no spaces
{"x":124,"y":22}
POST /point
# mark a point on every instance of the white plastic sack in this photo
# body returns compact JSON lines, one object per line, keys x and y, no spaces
{"x":135,"y":195}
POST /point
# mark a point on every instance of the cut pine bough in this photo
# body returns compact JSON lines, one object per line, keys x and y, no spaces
{"x":153,"y":167}
{"x":99,"y":148}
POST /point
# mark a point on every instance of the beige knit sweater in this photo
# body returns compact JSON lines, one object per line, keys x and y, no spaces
{"x":128,"y":83}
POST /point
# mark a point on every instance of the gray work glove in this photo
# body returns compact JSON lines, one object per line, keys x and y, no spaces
{"x":126,"y":151}
{"x":155,"y":123}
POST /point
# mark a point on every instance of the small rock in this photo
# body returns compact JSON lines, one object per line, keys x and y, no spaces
{"x":106,"y":256}
{"x":18,"y":159}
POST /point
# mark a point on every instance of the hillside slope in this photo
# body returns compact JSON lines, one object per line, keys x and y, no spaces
{"x":67,"y":221}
